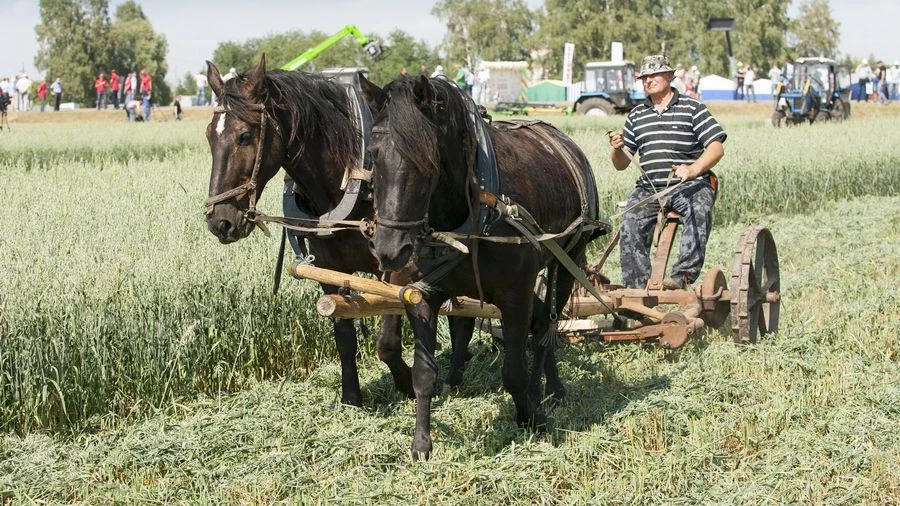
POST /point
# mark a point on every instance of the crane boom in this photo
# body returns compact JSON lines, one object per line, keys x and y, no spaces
{"x":372,"y":48}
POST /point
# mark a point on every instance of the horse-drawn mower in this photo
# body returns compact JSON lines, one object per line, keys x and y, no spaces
{"x":668,"y":317}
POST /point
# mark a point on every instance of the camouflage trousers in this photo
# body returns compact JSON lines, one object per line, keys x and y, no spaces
{"x":695,"y":205}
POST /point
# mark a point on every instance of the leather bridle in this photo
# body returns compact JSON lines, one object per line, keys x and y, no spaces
{"x":250,"y":186}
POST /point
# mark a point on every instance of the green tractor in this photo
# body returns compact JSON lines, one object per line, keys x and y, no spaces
{"x":818,"y":91}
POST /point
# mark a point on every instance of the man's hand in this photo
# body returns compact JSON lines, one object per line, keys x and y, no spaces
{"x":616,"y":140}
{"x":620,"y":158}
{"x":685,"y":172}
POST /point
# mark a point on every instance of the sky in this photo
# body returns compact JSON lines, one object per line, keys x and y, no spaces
{"x":194,"y":28}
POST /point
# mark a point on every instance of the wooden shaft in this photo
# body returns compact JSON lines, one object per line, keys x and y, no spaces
{"x":405,"y":294}
{"x":365,"y":304}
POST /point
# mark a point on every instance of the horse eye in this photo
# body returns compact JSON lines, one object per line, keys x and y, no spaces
{"x":245,"y":138}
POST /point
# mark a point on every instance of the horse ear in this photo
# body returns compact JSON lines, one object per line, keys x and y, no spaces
{"x":422,"y":91}
{"x":372,"y":93}
{"x":257,"y":80}
{"x":214,"y":78}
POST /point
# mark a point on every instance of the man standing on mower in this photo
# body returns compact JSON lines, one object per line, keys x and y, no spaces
{"x":679,"y":141}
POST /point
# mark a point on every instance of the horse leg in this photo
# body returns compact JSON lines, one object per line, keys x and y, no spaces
{"x":345,"y":342}
{"x":515,"y":308}
{"x":390,"y":350}
{"x":461,"y":330}
{"x":423,"y":318}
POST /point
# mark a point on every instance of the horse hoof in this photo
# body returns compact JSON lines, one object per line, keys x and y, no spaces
{"x":352,"y":401}
{"x":421,"y":449}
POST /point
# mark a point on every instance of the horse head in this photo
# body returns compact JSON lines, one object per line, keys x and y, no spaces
{"x":415,"y":140}
{"x":247,"y":151}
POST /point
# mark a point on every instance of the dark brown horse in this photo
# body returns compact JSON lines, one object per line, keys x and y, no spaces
{"x":424,"y":145}
{"x":304,"y":123}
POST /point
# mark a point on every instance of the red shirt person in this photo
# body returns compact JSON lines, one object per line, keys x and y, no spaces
{"x":146,"y":92}
{"x":42,"y":93}
{"x":101,"y":85}
{"x":114,"y":87}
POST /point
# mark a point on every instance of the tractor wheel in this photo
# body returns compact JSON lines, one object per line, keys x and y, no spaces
{"x":777,"y":118}
{"x":839,"y":110}
{"x":596,"y":107}
{"x":755,"y":286}
{"x":822,"y":117}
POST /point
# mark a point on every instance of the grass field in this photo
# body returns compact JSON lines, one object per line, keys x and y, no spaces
{"x":141,"y":361}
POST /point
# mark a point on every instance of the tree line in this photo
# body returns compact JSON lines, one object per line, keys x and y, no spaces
{"x":78,"y":39}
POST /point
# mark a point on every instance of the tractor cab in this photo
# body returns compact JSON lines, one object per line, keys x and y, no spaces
{"x":609,"y":88}
{"x":819,"y":90}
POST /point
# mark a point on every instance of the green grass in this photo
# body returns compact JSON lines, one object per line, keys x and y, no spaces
{"x":140,"y":360}
{"x":806,"y":416}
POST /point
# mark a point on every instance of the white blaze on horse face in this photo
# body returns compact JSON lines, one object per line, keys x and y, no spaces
{"x":220,"y":127}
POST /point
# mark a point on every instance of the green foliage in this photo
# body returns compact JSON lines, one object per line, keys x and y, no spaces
{"x":676,"y":27}
{"x":187,"y":86}
{"x":135,"y":45}
{"x":814,"y":31}
{"x":484,"y":30}
{"x":805,"y":416}
{"x":402,"y":50}
{"x":93,"y":317}
{"x":77,"y":41}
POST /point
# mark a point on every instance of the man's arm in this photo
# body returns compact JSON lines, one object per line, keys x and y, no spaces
{"x":710,"y":157}
{"x":620,"y":159}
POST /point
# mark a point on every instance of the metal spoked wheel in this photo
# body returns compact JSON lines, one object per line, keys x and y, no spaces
{"x":755,"y":286}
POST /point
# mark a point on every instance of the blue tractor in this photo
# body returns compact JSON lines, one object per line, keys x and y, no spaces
{"x":609,"y":88}
{"x":819,"y":90}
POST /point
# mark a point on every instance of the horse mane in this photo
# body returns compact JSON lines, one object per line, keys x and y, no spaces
{"x":308,"y":106}
{"x":415,"y":135}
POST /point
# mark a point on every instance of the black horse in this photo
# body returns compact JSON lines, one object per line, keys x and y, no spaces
{"x":424,"y":148}
{"x":304,"y":123}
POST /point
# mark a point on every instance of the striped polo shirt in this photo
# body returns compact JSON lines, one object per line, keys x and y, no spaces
{"x":678,"y":135}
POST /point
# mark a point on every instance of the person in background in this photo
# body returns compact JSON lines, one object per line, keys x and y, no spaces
{"x":14,"y":94}
{"x":881,"y":77}
{"x":894,"y":79}
{"x":177,"y":105}
{"x":128,"y":88}
{"x":56,"y":89}
{"x":23,"y":88}
{"x":100,"y":85}
{"x":774,"y":76}
{"x":863,"y":74}
{"x":438,"y":72}
{"x":460,"y":79}
{"x":202,"y":81}
{"x":146,"y":93}
{"x":739,"y":78}
{"x":42,"y":93}
{"x":678,"y":82}
{"x":679,"y":142}
{"x":749,"y":78}
{"x":114,"y":88}
{"x":131,"y":110}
